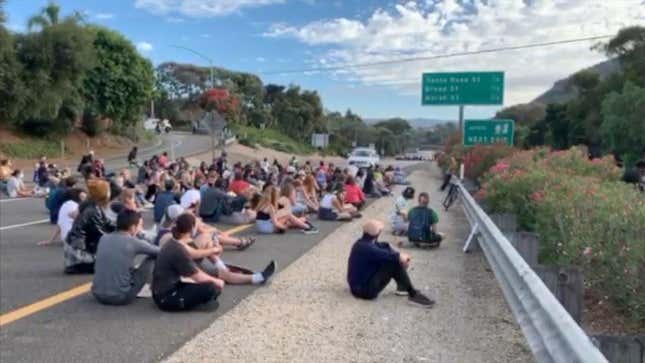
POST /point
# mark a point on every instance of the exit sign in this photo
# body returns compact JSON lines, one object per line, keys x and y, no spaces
{"x":486,"y":132}
{"x":462,"y":88}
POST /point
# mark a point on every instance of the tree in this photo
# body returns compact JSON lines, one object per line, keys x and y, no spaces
{"x":623,"y":126}
{"x":559,"y":126}
{"x":49,"y":16}
{"x":121,"y":82}
{"x":11,"y":87}
{"x":55,"y":61}
{"x":629,"y":46}
{"x":397,"y":126}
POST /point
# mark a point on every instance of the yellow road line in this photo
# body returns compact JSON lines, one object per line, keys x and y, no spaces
{"x":44,"y":304}
{"x":48,"y":302}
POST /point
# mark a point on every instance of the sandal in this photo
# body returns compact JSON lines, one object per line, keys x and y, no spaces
{"x":245,"y":243}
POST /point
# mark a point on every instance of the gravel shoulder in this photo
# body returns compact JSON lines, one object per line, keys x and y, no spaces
{"x":307,"y":314}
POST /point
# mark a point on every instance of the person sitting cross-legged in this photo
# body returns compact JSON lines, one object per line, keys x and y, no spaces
{"x":116,"y":280}
{"x":173,"y":262}
{"x":422,"y":224}
{"x":373,"y":264}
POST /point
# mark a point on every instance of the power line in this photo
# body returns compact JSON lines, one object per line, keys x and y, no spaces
{"x":441,"y":56}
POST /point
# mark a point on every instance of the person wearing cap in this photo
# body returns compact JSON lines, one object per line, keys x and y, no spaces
{"x":116,"y":280}
{"x":372,"y":265}
{"x":91,"y":224}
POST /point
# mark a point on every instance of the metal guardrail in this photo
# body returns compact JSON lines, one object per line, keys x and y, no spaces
{"x":552,"y":335}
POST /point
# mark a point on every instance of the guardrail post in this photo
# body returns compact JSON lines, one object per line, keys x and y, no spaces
{"x":566,"y":285}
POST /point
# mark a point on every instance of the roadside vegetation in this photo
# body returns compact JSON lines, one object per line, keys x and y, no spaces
{"x":31,"y":148}
{"x":64,"y":73}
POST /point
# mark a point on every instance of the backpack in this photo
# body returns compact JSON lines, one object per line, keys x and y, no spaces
{"x":420,"y":219}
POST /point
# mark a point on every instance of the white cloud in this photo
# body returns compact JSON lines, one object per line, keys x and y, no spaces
{"x":448,"y":26}
{"x":104,"y":16}
{"x":206,"y":36}
{"x":144,"y":47}
{"x":261,"y":59}
{"x":200,"y":8}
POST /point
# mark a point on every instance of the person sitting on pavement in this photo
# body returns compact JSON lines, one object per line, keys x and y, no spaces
{"x":304,"y":198}
{"x":164,"y":199}
{"x":5,"y":174}
{"x":239,"y":186}
{"x":16,"y":186}
{"x":373,"y":264}
{"x":218,"y":206}
{"x":206,"y":250}
{"x":173,"y":263}
{"x":353,"y":193}
{"x":55,"y":200}
{"x":224,"y":238}
{"x":399,"y":216}
{"x":332,"y":207}
{"x":399,"y":177}
{"x":92,"y":223}
{"x":268,"y":220}
{"x":69,"y":210}
{"x":289,"y":202}
{"x":116,"y":280}
{"x":192,"y":197}
{"x":422,"y":224}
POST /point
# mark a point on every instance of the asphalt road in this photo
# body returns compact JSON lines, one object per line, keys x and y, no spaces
{"x":79,"y":329}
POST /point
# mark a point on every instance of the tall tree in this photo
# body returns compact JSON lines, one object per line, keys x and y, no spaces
{"x":624,"y":122}
{"x":11,"y":87}
{"x":120,"y":84}
{"x":49,"y":16}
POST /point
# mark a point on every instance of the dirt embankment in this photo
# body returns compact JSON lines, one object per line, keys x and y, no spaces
{"x":76,"y":144}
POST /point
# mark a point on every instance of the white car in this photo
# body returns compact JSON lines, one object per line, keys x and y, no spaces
{"x":363,"y":158}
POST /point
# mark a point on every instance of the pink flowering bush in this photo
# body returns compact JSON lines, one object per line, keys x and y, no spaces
{"x":584,"y":215}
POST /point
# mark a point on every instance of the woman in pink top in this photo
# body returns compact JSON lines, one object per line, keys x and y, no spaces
{"x":353,"y":193}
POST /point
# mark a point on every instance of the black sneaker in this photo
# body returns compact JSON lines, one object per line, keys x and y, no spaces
{"x":311,"y":230}
{"x":358,"y":215}
{"x":421,"y":300}
{"x":268,"y":271}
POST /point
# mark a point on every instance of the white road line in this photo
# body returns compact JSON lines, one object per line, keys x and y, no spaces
{"x":24,"y":224}
{"x":16,"y":199}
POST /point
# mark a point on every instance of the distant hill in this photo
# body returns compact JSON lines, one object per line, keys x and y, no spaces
{"x":563,"y":91}
{"x":417,"y":123}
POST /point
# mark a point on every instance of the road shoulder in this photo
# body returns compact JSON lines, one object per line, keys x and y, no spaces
{"x":307,"y":313}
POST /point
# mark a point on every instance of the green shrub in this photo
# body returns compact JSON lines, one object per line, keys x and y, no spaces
{"x":584,"y":215}
{"x":91,"y":123}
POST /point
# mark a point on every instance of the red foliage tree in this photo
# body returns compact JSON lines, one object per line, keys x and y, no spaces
{"x":220,"y":99}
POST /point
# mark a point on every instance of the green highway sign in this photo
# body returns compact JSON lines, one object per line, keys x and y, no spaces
{"x":486,"y":132}
{"x":463,"y":88}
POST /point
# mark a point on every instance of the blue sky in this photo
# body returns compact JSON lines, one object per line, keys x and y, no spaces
{"x":275,"y":35}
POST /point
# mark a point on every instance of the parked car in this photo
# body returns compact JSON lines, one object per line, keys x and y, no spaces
{"x":363,"y":157}
{"x":157,"y":125}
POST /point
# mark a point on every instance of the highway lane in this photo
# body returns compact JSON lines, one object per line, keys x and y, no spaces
{"x":80,"y":329}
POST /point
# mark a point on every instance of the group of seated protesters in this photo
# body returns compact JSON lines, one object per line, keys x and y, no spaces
{"x":101,"y":225}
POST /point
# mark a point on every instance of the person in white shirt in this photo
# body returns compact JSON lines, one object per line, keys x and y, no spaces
{"x":69,"y":210}
{"x":192,"y":197}
{"x":16,"y":187}
{"x":399,"y":216}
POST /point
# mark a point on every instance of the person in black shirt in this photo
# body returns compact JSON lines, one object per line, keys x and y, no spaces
{"x":173,"y":263}
{"x":372,"y":265}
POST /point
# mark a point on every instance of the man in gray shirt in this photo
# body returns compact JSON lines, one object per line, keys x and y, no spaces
{"x":116,"y":281}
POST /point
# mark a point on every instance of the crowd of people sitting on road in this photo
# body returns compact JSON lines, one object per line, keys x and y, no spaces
{"x":99,"y":218}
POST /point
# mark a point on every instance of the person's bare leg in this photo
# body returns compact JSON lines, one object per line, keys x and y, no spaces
{"x":234,"y":277}
{"x":296,"y":222}
{"x":51,"y":239}
{"x":226,"y":240}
